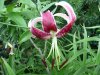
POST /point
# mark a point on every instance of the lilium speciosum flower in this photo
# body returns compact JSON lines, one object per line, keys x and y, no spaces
{"x":50,"y":29}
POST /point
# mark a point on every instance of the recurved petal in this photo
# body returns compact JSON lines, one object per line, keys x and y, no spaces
{"x":64,"y":16}
{"x":48,"y":22}
{"x":68,"y":8}
{"x":33,"y":22}
{"x":71,"y":18}
{"x":40,"y":34}
{"x":64,"y":30}
{"x":37,"y":32}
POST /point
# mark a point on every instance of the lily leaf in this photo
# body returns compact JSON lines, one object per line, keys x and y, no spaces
{"x":17,"y":18}
{"x":29,"y":14}
{"x":1,"y":4}
{"x":47,"y":6}
{"x":25,"y":36}
{"x":28,"y":2}
{"x":8,"y":70}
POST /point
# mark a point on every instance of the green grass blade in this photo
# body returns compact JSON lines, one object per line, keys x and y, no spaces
{"x":18,"y":19}
{"x":98,"y":54}
{"x":6,"y":67}
{"x":80,"y":71}
{"x":1,"y":4}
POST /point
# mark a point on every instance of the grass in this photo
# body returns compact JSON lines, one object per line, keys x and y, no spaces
{"x":80,"y":48}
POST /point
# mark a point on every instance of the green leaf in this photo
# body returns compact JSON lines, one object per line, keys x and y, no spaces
{"x":25,"y":36}
{"x":74,"y":45}
{"x":39,"y":5}
{"x":98,"y":54}
{"x":32,"y":74}
{"x":7,"y":68}
{"x":47,"y":6}
{"x":17,"y":18}
{"x":71,"y":59}
{"x":85,"y":45}
{"x":97,"y":70}
{"x":80,"y":71}
{"x":1,"y":4}
{"x":29,"y":14}
{"x":10,"y":7}
{"x":28,"y":2}
{"x":86,"y":39}
{"x":54,"y":72}
{"x":99,"y":6}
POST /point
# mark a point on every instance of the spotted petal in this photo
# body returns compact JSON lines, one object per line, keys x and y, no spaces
{"x":37,"y":32}
{"x":48,"y":22}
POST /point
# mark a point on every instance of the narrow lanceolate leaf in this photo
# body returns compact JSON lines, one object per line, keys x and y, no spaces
{"x":47,"y":6}
{"x":1,"y":4}
{"x":39,"y":5}
{"x":7,"y":68}
{"x":29,"y":14}
{"x":25,"y":36}
{"x":17,"y":18}
{"x":97,"y":70}
{"x":80,"y":71}
{"x":28,"y":2}
{"x":98,"y":54}
{"x":48,"y":22}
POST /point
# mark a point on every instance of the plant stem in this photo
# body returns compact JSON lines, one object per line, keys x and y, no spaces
{"x":8,"y":24}
{"x":85,"y":46}
{"x":42,"y":57}
{"x":45,"y":48}
{"x":11,"y":61}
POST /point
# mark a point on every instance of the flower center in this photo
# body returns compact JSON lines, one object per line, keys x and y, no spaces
{"x":53,"y":34}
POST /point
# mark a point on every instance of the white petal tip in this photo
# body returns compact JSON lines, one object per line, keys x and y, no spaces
{"x":30,"y":24}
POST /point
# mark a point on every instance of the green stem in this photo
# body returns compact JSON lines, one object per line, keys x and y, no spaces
{"x":85,"y":47}
{"x":7,"y":24}
{"x":11,"y":61}
{"x":42,"y":57}
{"x":98,"y":54}
{"x":45,"y":48}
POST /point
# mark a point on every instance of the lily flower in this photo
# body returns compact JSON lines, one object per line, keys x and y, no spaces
{"x":50,"y":29}
{"x":49,"y":25}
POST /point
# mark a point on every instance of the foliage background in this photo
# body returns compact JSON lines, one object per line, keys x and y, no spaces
{"x":81,"y":46}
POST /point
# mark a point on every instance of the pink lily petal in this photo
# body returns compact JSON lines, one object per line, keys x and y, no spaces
{"x":72,"y":18}
{"x":40,"y":34}
{"x":37,"y":32}
{"x":48,"y":22}
{"x":64,"y":16}
{"x":64,"y":30}
{"x":68,"y":8}
{"x":31,"y":23}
